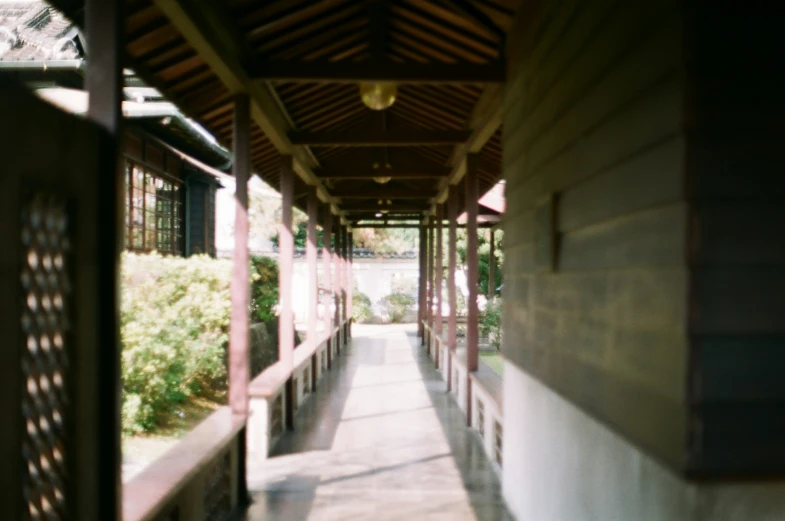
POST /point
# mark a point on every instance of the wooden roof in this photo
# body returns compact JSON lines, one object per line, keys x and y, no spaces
{"x":300,"y":61}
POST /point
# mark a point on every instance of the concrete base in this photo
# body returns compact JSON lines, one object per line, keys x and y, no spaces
{"x":562,"y":465}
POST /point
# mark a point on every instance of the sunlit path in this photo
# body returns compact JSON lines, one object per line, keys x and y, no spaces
{"x":381,"y":440}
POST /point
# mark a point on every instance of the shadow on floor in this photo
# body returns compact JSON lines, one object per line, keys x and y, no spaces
{"x":380,"y":440}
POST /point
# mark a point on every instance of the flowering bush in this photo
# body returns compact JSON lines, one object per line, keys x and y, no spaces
{"x":397,"y":305}
{"x":361,"y":308}
{"x":174,"y":327}
{"x":491,"y":322}
{"x":264,"y":288}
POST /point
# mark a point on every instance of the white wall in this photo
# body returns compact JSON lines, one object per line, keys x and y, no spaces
{"x":562,"y":465}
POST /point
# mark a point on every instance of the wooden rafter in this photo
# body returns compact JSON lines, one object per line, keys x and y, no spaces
{"x":352,"y":72}
{"x":396,"y":137}
{"x":382,"y":192}
{"x":356,"y":172}
{"x":209,"y":30}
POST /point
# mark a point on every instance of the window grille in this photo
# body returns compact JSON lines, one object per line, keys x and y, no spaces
{"x":154,"y":211}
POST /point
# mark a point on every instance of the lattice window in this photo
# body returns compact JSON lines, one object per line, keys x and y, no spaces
{"x":499,"y":440}
{"x":154,"y":211}
{"x":481,"y":417}
{"x":218,"y":490}
{"x":46,"y":404}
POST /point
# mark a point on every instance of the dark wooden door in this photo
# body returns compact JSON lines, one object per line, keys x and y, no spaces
{"x":59,"y":381}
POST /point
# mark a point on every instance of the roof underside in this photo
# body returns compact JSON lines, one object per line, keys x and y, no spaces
{"x":330,"y":32}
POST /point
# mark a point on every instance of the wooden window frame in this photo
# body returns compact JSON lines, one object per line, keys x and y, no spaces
{"x":166,"y":236}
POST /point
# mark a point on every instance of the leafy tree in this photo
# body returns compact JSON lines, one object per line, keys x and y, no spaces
{"x":484,"y":256}
{"x":387,"y":240}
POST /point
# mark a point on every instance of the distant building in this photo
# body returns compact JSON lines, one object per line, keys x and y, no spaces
{"x":172,"y":166}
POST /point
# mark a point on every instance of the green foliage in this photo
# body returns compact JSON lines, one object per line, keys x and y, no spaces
{"x":387,"y":240}
{"x":264,"y":288}
{"x":174,"y":327}
{"x":362,"y":312}
{"x":397,"y":305}
{"x":484,"y":257}
{"x":491,"y":322}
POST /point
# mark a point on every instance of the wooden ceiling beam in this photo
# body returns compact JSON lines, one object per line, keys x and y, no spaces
{"x":396,"y":137}
{"x":211,"y":32}
{"x":364,"y":172}
{"x":485,"y":119}
{"x":382,"y":193}
{"x":376,"y":70}
{"x":373,"y":207}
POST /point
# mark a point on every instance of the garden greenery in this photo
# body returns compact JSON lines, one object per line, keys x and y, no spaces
{"x":174,"y":329}
{"x":491,"y":322}
{"x":396,"y":305}
{"x":362,"y":311}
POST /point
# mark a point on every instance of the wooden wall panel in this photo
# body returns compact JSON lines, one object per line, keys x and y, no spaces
{"x":735,"y":184}
{"x":593,"y":114}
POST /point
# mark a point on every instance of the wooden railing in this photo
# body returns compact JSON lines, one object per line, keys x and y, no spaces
{"x":267,"y":392}
{"x":199,"y":478}
{"x":478,"y":393}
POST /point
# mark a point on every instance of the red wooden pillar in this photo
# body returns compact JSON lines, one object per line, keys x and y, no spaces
{"x":311,"y":258}
{"x":327,"y":275}
{"x":492,"y":267}
{"x":337,"y":285}
{"x":285,"y":270}
{"x":351,"y":283}
{"x":99,"y":467}
{"x":240,"y":321}
{"x":472,"y":264}
{"x":422,"y":288}
{"x":438,"y":276}
{"x":346,"y":282}
{"x":431,"y":251}
{"x":452,"y":255}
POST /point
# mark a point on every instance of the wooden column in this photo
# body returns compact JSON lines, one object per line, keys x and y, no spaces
{"x":452,"y":254}
{"x":492,"y":267}
{"x":285,"y":270}
{"x":472,"y":264}
{"x":345,"y":280}
{"x":240,"y":320}
{"x":429,"y":284}
{"x":337,"y":283}
{"x":351,"y":283}
{"x":327,"y":276}
{"x":438,"y":278}
{"x":311,"y":258}
{"x":422,"y":287}
{"x":99,"y":467}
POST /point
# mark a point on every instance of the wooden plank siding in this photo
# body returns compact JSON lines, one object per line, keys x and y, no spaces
{"x":664,"y":316}
{"x":735,"y":164}
{"x":593,"y":113}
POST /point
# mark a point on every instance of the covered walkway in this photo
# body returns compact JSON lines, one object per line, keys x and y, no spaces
{"x":382,"y":440}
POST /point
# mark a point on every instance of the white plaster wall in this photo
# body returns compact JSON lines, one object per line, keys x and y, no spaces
{"x":562,"y":465}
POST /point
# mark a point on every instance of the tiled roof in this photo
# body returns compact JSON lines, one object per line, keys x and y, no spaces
{"x":33,"y":31}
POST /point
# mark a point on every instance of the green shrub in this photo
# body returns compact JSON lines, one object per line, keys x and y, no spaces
{"x":264,"y":288}
{"x":491,"y":322}
{"x":397,"y":305}
{"x":362,"y":312}
{"x":174,"y":326}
